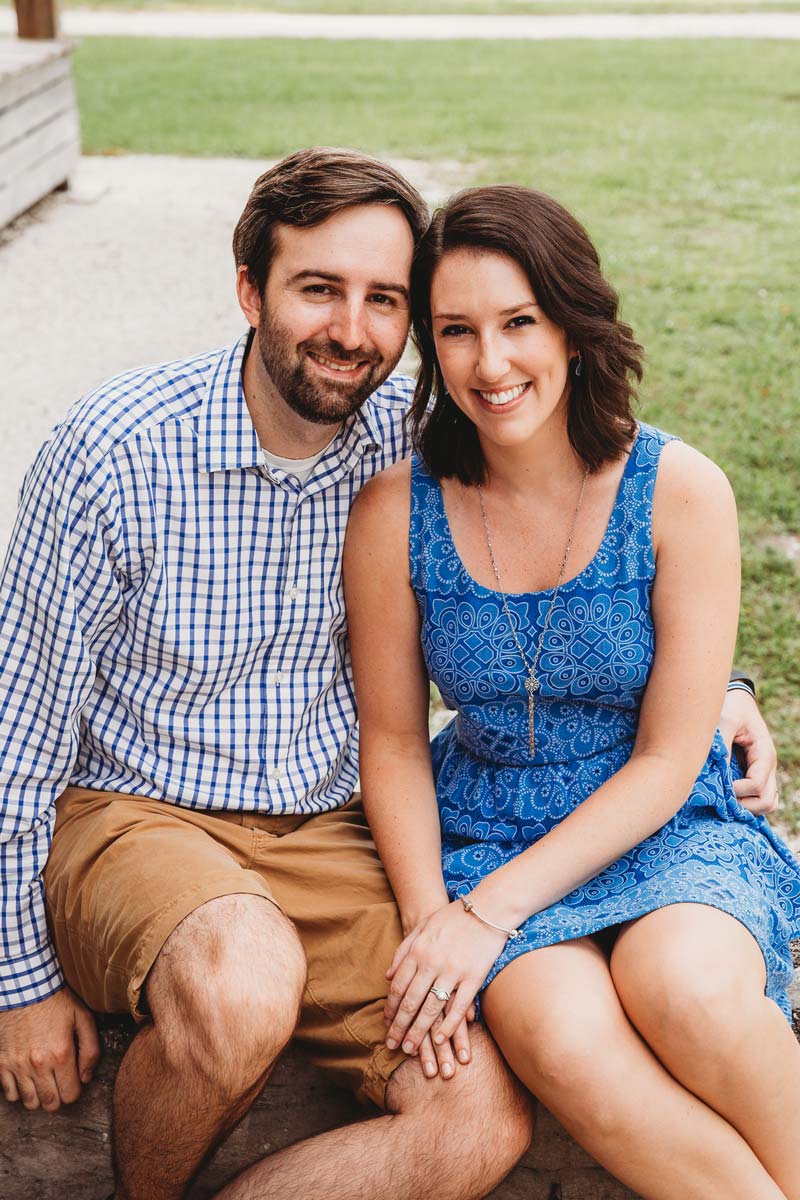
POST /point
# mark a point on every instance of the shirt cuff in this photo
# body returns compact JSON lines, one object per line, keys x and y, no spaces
{"x":29,"y":978}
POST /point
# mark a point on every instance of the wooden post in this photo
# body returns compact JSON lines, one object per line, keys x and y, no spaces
{"x":36,"y":18}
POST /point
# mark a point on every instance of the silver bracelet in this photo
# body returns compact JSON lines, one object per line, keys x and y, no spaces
{"x":470,"y":908}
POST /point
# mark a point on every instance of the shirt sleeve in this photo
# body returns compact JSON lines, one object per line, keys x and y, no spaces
{"x":59,"y":596}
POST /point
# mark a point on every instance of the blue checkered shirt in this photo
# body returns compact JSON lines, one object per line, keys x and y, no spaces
{"x":172,"y":621}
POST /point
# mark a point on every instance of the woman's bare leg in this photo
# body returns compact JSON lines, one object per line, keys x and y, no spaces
{"x":691,"y":979}
{"x":557,"y":1019}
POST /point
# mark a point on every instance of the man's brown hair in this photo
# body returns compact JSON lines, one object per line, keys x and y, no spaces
{"x":306,"y":189}
{"x":557,"y":255}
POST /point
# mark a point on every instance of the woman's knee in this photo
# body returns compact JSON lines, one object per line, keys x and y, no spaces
{"x":226,"y":989}
{"x":689,"y":993}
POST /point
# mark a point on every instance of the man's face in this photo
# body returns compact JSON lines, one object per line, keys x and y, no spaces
{"x":334,"y":316}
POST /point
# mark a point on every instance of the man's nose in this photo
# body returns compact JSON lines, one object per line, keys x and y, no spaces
{"x":347,"y":325}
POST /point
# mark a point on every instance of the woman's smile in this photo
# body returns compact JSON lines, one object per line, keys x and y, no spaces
{"x":500,"y":355}
{"x":503,"y":400}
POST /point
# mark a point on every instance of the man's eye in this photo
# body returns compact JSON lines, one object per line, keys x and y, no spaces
{"x":382,"y":300}
{"x":317,"y":289}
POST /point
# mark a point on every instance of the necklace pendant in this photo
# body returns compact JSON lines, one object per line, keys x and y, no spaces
{"x":532,"y":686}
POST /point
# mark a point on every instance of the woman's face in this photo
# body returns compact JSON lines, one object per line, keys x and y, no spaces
{"x":505,"y":364}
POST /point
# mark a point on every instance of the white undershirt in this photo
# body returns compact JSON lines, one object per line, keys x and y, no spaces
{"x":301,"y":468}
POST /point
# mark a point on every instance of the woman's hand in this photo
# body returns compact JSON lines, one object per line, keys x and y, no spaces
{"x":741,"y":724}
{"x":448,"y":950}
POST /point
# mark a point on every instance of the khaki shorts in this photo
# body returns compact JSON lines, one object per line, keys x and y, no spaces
{"x":124,"y":871}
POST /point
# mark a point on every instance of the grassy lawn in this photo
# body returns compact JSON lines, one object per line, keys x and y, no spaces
{"x":683,"y":159}
{"x":518,"y":7}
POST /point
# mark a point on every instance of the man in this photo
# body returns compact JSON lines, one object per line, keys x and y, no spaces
{"x":177,"y":701}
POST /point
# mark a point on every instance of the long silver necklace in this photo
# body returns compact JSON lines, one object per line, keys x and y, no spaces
{"x":532,"y":683}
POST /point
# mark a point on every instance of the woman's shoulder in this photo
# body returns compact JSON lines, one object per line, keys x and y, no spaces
{"x":686,"y":469}
{"x":689,"y":485}
{"x":383,"y":505}
{"x":390,"y":486}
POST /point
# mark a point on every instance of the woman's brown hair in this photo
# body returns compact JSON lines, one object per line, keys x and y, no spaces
{"x":557,"y":255}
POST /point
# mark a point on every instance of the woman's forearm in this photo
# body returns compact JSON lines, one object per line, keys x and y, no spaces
{"x":628,"y":808}
{"x":400,"y":803}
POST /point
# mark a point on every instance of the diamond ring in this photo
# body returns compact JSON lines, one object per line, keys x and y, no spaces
{"x":440,"y":994}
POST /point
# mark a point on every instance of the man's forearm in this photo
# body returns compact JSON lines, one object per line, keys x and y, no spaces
{"x":57,"y":590}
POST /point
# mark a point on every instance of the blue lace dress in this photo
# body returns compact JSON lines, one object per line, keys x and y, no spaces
{"x":495,"y":799}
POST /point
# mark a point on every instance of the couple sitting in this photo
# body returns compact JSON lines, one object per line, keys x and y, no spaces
{"x":179,"y":833}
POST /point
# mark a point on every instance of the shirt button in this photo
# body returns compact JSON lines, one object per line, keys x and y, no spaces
{"x":275,"y":773}
{"x":277,"y":678}
{"x":294,"y":592}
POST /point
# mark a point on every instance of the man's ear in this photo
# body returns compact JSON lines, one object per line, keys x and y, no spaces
{"x":249,"y":296}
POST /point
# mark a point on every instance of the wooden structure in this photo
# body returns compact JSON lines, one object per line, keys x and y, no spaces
{"x":36,"y":19}
{"x":39,"y":131}
{"x":66,"y":1156}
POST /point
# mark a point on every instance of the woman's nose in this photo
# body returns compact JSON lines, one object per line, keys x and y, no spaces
{"x":493,"y":362}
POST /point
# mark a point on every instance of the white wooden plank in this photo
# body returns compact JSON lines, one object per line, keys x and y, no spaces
{"x":26,"y":153}
{"x":24,"y":118}
{"x":13,"y":87}
{"x":18,"y":55}
{"x":26,"y":189}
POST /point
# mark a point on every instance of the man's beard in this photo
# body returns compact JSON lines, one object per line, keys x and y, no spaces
{"x":325,"y":402}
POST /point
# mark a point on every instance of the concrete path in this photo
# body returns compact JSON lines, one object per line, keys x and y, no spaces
{"x":622,"y":26}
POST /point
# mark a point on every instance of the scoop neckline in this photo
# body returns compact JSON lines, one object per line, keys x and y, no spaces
{"x":566,"y":582}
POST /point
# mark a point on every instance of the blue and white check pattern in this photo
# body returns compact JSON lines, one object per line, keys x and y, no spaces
{"x":172,"y":621}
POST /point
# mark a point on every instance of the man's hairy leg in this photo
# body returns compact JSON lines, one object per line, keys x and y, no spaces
{"x":449,"y":1139}
{"x":224,"y":994}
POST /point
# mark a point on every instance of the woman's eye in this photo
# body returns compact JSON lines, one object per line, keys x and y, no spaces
{"x":522,"y":319}
{"x":453,"y":331}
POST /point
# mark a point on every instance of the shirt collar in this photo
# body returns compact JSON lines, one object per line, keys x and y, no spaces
{"x":226,"y":434}
{"x":227,"y":437}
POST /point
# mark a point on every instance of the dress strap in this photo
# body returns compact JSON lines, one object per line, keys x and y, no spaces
{"x":631,"y":525}
{"x":427,"y":526}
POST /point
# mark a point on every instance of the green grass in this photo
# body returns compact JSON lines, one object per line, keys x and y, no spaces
{"x":518,"y":7}
{"x":683,"y":159}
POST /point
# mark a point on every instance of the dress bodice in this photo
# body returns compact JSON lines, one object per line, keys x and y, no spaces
{"x":597,"y":651}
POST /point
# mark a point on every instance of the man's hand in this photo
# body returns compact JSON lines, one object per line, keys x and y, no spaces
{"x":742,"y":725}
{"x":47,"y":1050}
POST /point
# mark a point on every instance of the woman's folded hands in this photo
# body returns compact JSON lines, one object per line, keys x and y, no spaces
{"x":436,"y":973}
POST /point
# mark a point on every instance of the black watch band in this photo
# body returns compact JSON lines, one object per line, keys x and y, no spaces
{"x":738,"y":679}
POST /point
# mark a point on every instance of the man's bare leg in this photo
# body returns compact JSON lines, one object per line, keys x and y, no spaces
{"x":452,"y":1140}
{"x":224,"y":993}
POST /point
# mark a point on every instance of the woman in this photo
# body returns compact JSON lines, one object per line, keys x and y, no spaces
{"x":573,"y":593}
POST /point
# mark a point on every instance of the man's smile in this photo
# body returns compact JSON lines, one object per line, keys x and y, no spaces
{"x":336,"y":366}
